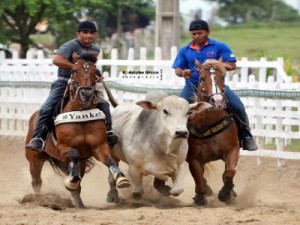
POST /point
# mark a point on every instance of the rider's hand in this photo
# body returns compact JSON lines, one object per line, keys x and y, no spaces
{"x":186,"y":74}
{"x":99,"y":75}
{"x":99,"y":79}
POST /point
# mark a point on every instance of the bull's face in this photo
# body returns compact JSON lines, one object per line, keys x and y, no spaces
{"x":173,"y":113}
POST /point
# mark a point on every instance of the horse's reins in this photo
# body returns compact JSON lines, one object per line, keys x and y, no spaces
{"x":204,"y":94}
{"x":212,"y":71}
{"x":79,"y":88}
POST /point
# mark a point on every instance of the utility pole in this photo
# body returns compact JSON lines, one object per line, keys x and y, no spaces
{"x":167,"y":27}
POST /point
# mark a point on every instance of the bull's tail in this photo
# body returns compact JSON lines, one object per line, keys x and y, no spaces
{"x":111,"y":98}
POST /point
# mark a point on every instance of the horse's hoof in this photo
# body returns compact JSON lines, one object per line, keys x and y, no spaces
{"x":208,"y":191}
{"x":71,"y":185}
{"x":122,"y":182}
{"x":231,"y":201}
{"x":200,"y":201}
{"x":224,"y":197}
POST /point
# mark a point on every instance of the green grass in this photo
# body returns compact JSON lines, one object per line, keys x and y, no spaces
{"x":255,"y":42}
{"x":43,"y":38}
{"x":293,"y":147}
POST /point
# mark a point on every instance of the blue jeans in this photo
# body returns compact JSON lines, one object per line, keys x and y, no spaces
{"x":235,"y":105}
{"x":56,"y":94}
{"x":47,"y":109}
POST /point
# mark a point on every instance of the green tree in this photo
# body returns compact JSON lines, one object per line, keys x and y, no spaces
{"x":241,"y":11}
{"x":19,"y":18}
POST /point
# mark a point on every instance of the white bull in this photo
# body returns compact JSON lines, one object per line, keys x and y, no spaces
{"x":153,"y":141}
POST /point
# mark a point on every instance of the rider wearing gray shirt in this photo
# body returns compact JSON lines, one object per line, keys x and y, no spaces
{"x":68,"y":48}
{"x":86,"y":34}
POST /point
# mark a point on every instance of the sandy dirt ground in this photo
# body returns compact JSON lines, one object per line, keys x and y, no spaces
{"x":266,"y":193}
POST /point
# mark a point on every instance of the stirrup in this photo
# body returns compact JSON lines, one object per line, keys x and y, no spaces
{"x":36,"y":144}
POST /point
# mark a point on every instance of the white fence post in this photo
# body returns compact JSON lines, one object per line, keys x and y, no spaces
{"x":244,"y":71}
{"x":262,"y":71}
{"x":114,"y":68}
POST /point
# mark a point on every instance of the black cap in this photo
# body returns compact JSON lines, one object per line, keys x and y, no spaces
{"x":86,"y":25}
{"x":198,"y":25}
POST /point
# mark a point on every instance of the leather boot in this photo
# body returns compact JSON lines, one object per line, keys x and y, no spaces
{"x":249,"y":144}
{"x":38,"y":143}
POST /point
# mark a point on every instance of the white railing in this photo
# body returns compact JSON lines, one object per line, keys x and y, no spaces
{"x":24,"y":85}
{"x":150,"y":72}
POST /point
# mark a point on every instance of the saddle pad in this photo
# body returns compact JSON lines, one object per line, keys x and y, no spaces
{"x":79,"y":116}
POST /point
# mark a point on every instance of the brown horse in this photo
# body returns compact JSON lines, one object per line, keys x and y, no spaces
{"x":80,"y":133}
{"x":213,"y":134}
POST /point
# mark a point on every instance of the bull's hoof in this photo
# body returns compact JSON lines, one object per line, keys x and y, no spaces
{"x":113,"y":196}
{"x":164,"y":190}
{"x":161,"y":187}
{"x":122,"y":182}
{"x":71,"y":186}
{"x":137,"y":195}
{"x":200,"y":200}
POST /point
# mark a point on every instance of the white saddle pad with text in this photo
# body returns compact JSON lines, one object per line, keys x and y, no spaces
{"x":79,"y":116}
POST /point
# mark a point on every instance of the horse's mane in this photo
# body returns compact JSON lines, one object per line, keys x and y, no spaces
{"x":219,"y":65}
{"x":89,"y":57}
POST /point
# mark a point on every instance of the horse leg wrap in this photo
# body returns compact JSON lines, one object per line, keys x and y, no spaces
{"x":74,"y":165}
{"x":116,"y":172}
{"x":113,"y":167}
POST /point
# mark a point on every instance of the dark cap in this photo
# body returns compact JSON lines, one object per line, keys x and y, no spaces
{"x":198,"y":25}
{"x":86,"y":25}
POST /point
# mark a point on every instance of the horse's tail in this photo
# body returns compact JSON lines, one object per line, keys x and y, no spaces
{"x":62,"y":168}
{"x":58,"y":166}
{"x":111,"y":98}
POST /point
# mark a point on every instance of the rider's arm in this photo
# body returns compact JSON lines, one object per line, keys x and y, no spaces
{"x":230,"y":65}
{"x":62,"y":62}
{"x":183,"y":73}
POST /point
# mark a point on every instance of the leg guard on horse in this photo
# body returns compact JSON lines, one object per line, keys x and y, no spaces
{"x":119,"y":177}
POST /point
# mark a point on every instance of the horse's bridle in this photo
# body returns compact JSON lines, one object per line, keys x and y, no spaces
{"x":82,"y":90}
{"x":217,"y":92}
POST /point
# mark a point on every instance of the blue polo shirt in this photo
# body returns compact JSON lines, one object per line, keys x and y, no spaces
{"x":214,"y":49}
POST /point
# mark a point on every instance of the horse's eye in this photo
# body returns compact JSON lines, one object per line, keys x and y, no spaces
{"x":202,"y":79}
{"x":166,"y":112}
{"x":189,"y":113}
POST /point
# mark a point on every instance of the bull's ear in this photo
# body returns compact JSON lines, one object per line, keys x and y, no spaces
{"x":200,"y":107}
{"x":147,"y":105}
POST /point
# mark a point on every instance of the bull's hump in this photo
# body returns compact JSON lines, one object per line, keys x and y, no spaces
{"x":175,"y":100}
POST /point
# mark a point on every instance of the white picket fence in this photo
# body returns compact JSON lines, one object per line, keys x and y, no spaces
{"x":273,"y":111}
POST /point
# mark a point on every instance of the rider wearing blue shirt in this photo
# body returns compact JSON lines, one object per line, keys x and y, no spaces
{"x":201,"y":48}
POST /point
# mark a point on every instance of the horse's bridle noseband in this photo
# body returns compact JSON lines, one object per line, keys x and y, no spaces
{"x":80,"y":89}
{"x":203,"y":91}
